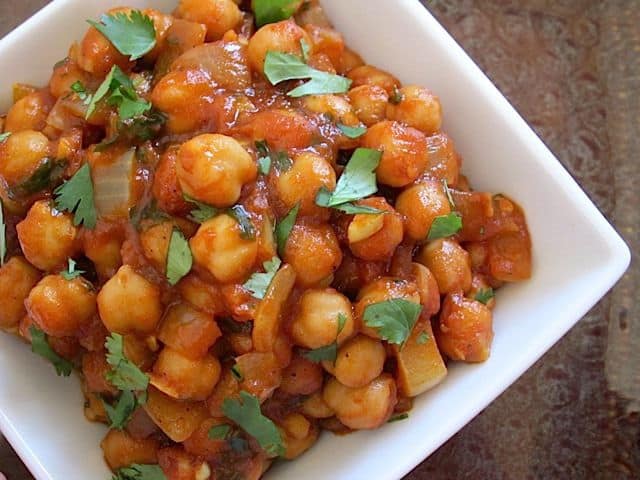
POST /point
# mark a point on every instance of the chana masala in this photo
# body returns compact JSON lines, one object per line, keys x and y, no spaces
{"x":239,"y":234}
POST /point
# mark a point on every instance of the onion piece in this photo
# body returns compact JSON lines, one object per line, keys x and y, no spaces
{"x":112,"y":185}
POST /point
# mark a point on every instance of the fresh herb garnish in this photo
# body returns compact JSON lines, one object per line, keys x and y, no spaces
{"x":40,"y":345}
{"x":135,"y":471}
{"x":396,"y":96}
{"x":3,"y":235}
{"x":272,"y":11}
{"x":76,"y":196}
{"x":179,"y":257}
{"x":484,"y":295}
{"x":70,"y":273}
{"x":445,"y":226}
{"x":146,"y":126}
{"x":132,"y":34}
{"x":119,"y":91}
{"x":203,"y":212}
{"x":393,"y":319}
{"x":237,"y":374}
{"x":120,"y":413}
{"x":240,"y":215}
{"x":305,"y":49}
{"x":279,"y":67}
{"x":79,"y":89}
{"x":280,"y":160}
{"x":397,"y":418}
{"x":124,"y":375}
{"x":258,"y":283}
{"x":284,"y":227}
{"x":328,"y":352}
{"x":48,"y":174}
{"x":247,"y":414}
{"x":4,"y":136}
{"x":352,"y":132}
{"x":264,"y":165}
{"x":423,"y":338}
{"x":219,"y":432}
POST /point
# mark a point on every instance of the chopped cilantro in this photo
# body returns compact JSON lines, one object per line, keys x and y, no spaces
{"x":70,"y":273}
{"x":445,"y":226}
{"x":484,"y":295}
{"x":284,"y":227}
{"x":423,"y":338}
{"x":203,"y":213}
{"x":397,"y":418}
{"x":120,"y":413}
{"x":124,"y":375}
{"x":272,"y":11}
{"x":40,"y":345}
{"x":396,"y":96}
{"x":48,"y":174}
{"x":328,"y":352}
{"x":219,"y":432}
{"x":76,"y":196}
{"x":240,"y":215}
{"x":280,"y":160}
{"x":132,"y":34}
{"x":394,"y":319}
{"x":79,"y":89}
{"x":352,"y":132}
{"x":135,"y":471}
{"x":306,"y":50}
{"x":237,"y":374}
{"x":258,"y":283}
{"x":179,"y":257}
{"x":4,"y":136}
{"x":119,"y":91}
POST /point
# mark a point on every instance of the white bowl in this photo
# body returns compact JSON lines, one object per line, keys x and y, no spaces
{"x":577,"y":254}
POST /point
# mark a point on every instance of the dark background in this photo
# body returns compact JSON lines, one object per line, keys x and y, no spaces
{"x":572,"y":69}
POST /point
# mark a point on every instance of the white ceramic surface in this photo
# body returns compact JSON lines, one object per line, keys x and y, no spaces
{"x":577,"y":255}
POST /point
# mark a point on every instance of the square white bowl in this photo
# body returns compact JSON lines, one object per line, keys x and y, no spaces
{"x":577,"y":254}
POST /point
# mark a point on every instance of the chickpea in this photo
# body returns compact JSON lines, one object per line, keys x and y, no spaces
{"x":102,"y":246}
{"x":227,"y":387}
{"x":348,"y":61}
{"x":17,"y":278}
{"x":185,"y":378}
{"x":155,"y":244}
{"x":404,"y":156}
{"x":203,"y":295}
{"x":369,"y":75}
{"x":421,"y":204}
{"x":261,"y":373}
{"x":327,"y":41}
{"x":94,"y":370}
{"x":219,"y":16}
{"x":65,"y":75}
{"x":21,"y":154}
{"x":369,"y":103}
{"x":336,"y":107}
{"x":419,"y":108}
{"x":161,"y":23}
{"x":299,"y":434}
{"x":315,"y":407}
{"x":47,"y":237}
{"x":200,"y":444}
{"x":284,"y":36}
{"x":365,"y":407}
{"x":97,"y":55}
{"x":301,"y":183}
{"x":219,"y":247}
{"x":177,"y":464}
{"x":213,"y":168}
{"x":428,"y":289}
{"x":188,"y":330}
{"x":166,"y":188}
{"x":316,"y":322}
{"x":29,"y":113}
{"x":60,"y":307}
{"x":281,"y":129}
{"x":382,"y":242}
{"x":129,"y":303}
{"x":443,"y":162}
{"x":314,"y":253}
{"x":301,"y":377}
{"x":121,"y":449}
{"x":185,"y":97}
{"x":359,"y":361}
{"x":465,"y":329}
{"x":449,"y":263}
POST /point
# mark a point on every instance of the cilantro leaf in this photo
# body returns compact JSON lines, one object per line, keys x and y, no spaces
{"x":79,"y":89}
{"x":120,"y":414}
{"x":48,"y":174}
{"x":3,"y":235}
{"x":423,"y":338}
{"x":279,"y":67}
{"x":272,"y":11}
{"x":445,"y":226}
{"x":76,"y":196}
{"x":397,"y":418}
{"x":247,"y":414}
{"x":484,"y":295}
{"x":284,"y":227}
{"x":132,"y":34}
{"x":40,"y":345}
{"x":264,"y":165}
{"x":203,"y":213}
{"x":258,"y":283}
{"x":280,"y":160}
{"x":317,"y":355}
{"x":235,"y":371}
{"x":219,"y":432}
{"x":136,"y":471}
{"x":125,"y":375}
{"x":179,"y":257}
{"x":121,"y":93}
{"x":306,"y":50}
{"x":70,"y":273}
{"x":323,"y":198}
{"x":352,"y":132}
{"x":4,"y":136}
{"x":393,"y":318}
{"x":240,"y":215}
{"x":396,"y":96}
{"x":342,"y":321}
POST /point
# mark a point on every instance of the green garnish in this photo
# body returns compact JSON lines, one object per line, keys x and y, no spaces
{"x":423,"y":338}
{"x":394,"y":319}
{"x":119,"y":91}
{"x":76,"y":196}
{"x":247,"y":414}
{"x":484,"y":295}
{"x":40,"y":345}
{"x":280,"y":160}
{"x":328,"y":352}
{"x":120,"y":414}
{"x":397,"y":418}
{"x":132,"y":34}
{"x":396,"y":96}
{"x":306,"y":50}
{"x":240,"y":215}
{"x":284,"y":227}
{"x":203,"y":212}
{"x":4,"y":136}
{"x":237,"y":374}
{"x":279,"y":67}
{"x":352,"y":132}
{"x":3,"y":235}
{"x":135,"y":471}
{"x":219,"y":432}
{"x":264,"y":165}
{"x":70,"y":273}
{"x":125,"y":375}
{"x":445,"y":226}
{"x":79,"y":89}
{"x":48,"y":174}
{"x":179,"y":257}
{"x":272,"y":11}
{"x":258,"y":283}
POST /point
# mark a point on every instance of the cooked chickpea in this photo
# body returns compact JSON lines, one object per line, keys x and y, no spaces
{"x":185,"y":378}
{"x":404,"y":152}
{"x":315,"y":407}
{"x":326,"y":41}
{"x":213,"y":168}
{"x":299,"y":435}
{"x":129,"y":303}
{"x":17,"y":278}
{"x":348,"y":61}
{"x":65,"y":75}
{"x":219,"y":247}
{"x":155,"y":243}
{"x":121,"y":449}
{"x":443,"y":162}
{"x":359,"y":361}
{"x":449,"y":263}
{"x":47,"y":237}
{"x":205,"y":296}
{"x":418,"y":107}
{"x":369,"y":103}
{"x":428,"y":288}
{"x":464,"y":329}
{"x":29,"y":113}
{"x":365,"y":407}
{"x":379,"y":243}
{"x":317,"y":319}
{"x":314,"y":253}
{"x":282,"y":37}
{"x":301,"y":183}
{"x":102,"y":246}
{"x":94,"y":370}
{"x":369,"y":75}
{"x":261,"y":373}
{"x":336,"y":107}
{"x":97,"y":54}
{"x":421,"y":204}
{"x":301,"y":377}
{"x":166,"y":187}
{"x":188,"y":330}
{"x":281,"y":129}
{"x":219,"y":16}
{"x":59,"y":306}
{"x":21,"y":154}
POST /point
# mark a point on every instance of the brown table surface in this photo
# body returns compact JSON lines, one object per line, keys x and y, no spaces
{"x":572,"y":69}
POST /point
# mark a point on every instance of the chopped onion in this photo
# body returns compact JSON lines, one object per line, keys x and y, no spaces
{"x":112,"y":185}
